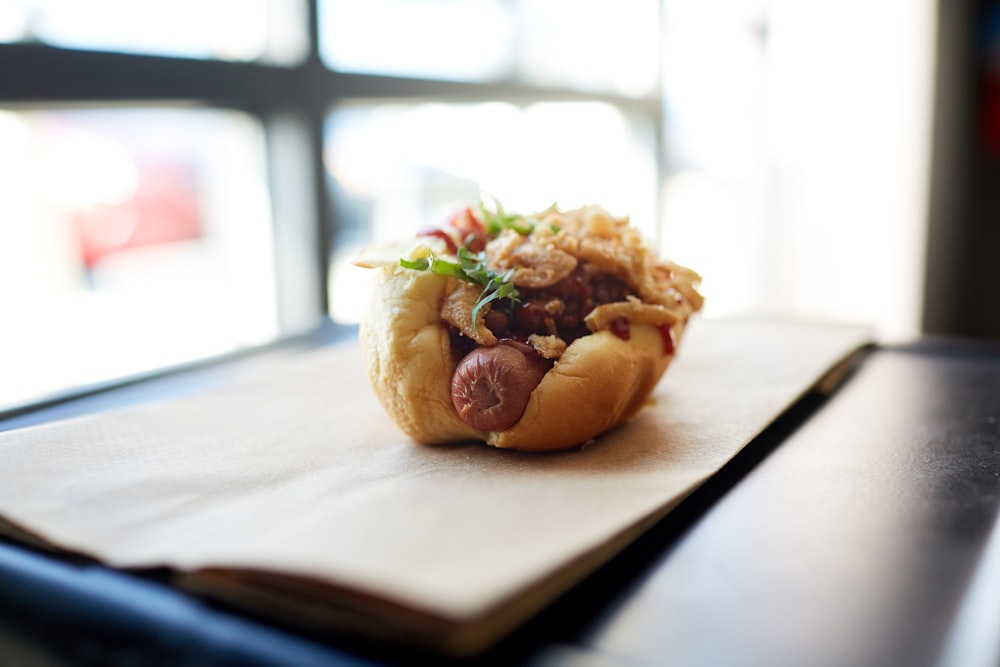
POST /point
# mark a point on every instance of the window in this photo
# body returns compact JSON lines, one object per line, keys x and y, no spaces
{"x":397,"y":167}
{"x":237,"y":30}
{"x":173,"y":190}
{"x":601,"y":47}
{"x":798,"y":148}
{"x":122,"y":249}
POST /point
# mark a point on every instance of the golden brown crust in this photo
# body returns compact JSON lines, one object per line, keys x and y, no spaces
{"x":599,"y":382}
{"x":408,"y":354}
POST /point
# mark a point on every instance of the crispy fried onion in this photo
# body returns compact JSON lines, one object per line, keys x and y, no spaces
{"x":535,"y":264}
{"x":550,"y":347}
{"x":456,"y":310}
{"x":635,"y":311}
{"x":666,"y":292}
{"x":591,"y":234}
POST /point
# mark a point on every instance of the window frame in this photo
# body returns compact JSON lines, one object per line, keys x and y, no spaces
{"x":293,"y":103}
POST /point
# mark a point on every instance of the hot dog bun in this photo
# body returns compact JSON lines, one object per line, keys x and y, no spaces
{"x":598,"y":381}
{"x":409,"y":357}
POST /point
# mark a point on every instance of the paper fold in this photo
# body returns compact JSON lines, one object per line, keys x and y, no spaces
{"x":292,"y":494}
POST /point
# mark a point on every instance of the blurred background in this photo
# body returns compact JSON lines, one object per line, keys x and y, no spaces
{"x":180,"y":179}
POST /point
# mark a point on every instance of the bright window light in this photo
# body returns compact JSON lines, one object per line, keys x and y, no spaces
{"x":798,"y":138}
{"x":124,"y":250}
{"x":600,"y":46}
{"x":400,"y":167}
{"x":267,"y":30}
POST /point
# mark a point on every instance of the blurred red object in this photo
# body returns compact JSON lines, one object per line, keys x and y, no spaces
{"x":163,"y":209}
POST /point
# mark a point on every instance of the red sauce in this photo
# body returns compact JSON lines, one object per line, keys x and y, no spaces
{"x":620,"y":328}
{"x":667,"y":334}
{"x":470,"y":230}
{"x":441,"y":234}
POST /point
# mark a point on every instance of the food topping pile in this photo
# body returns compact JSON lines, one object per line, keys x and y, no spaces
{"x":549,"y":278}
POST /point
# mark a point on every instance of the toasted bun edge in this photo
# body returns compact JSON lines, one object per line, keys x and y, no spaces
{"x":599,"y":382}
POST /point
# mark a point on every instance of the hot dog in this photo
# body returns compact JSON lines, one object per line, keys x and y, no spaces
{"x":532,"y":332}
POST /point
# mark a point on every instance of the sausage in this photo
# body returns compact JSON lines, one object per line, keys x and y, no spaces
{"x":491,"y":385}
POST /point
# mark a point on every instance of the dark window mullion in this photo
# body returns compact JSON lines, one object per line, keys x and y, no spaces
{"x":295,"y":99}
{"x":33,"y":73}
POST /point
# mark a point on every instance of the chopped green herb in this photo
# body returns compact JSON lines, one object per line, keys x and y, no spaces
{"x":499,"y":220}
{"x":442,"y":267}
{"x":471,"y":267}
